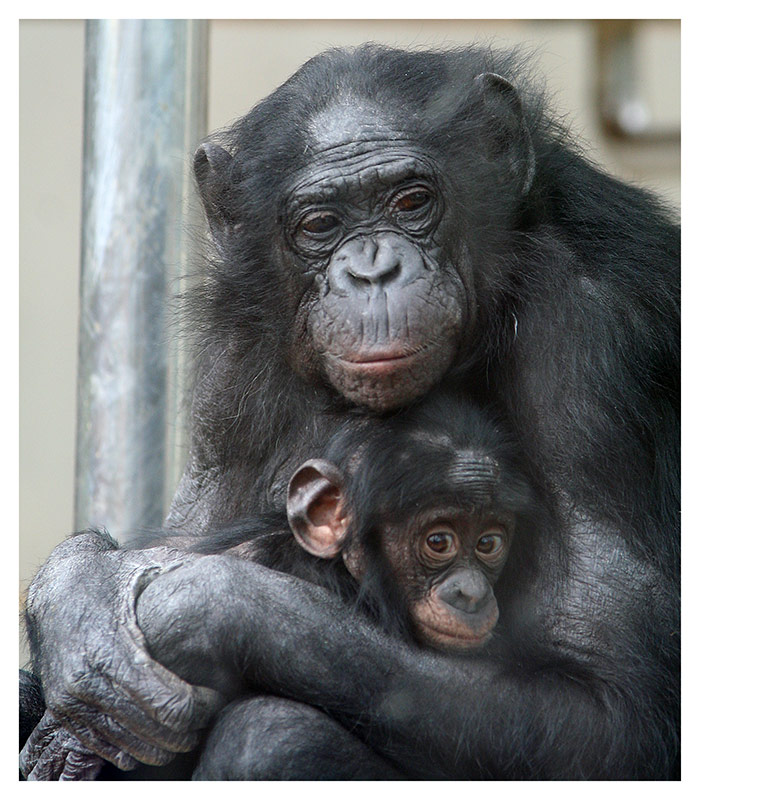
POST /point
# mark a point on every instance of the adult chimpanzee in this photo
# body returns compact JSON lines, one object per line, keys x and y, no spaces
{"x":422,"y":508}
{"x":383,"y":222}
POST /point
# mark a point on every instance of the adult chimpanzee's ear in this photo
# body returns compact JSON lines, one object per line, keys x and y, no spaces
{"x":507,"y":124}
{"x":211,"y":166}
{"x":315,"y":508}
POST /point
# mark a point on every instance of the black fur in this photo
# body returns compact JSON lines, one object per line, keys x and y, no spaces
{"x":31,"y":704}
{"x":574,"y":333}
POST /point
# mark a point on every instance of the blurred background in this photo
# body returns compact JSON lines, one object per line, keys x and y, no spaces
{"x":615,"y":83}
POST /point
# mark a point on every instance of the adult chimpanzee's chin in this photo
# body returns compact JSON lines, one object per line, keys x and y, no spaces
{"x":383,"y":382}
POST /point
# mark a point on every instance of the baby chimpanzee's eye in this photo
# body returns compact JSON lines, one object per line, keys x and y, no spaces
{"x":490,"y":544}
{"x":440,"y":543}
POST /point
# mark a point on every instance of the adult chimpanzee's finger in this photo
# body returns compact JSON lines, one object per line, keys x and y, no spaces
{"x":147,"y":716}
{"x":37,"y":743}
{"x":81,"y":766}
{"x":119,"y":746}
{"x":50,"y":763}
{"x":123,"y":684}
{"x":45,"y":752}
{"x":62,"y":758}
{"x":174,"y":705}
{"x":107,"y":685}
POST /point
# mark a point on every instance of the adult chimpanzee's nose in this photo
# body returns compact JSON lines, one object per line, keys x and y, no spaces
{"x":467,"y":590}
{"x":376,"y":260}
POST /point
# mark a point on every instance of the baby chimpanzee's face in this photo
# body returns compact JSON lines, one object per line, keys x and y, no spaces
{"x":446,"y":561}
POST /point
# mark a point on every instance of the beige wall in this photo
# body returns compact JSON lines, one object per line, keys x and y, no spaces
{"x":50,"y":152}
{"x":247,"y":60}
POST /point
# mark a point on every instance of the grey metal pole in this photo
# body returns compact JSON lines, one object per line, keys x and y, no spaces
{"x":145,"y":111}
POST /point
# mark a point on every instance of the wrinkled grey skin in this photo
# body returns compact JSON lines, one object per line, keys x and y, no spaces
{"x":384,"y":285}
{"x":166,"y":712}
{"x":588,"y":379}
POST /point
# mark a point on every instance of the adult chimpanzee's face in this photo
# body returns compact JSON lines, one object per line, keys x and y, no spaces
{"x":366,"y":221}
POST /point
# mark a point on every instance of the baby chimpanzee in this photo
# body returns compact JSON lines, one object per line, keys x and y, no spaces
{"x":410,"y":518}
{"x":422,"y":507}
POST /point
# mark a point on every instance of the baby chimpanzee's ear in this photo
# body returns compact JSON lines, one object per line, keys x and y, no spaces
{"x":316,"y":509}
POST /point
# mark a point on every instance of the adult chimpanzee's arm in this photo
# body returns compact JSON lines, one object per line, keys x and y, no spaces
{"x":91,"y":656}
{"x":591,"y":709}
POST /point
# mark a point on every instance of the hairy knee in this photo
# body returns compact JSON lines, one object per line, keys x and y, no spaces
{"x":270,"y":738}
{"x":266,"y":738}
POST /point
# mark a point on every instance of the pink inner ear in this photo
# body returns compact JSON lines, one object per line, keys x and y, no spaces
{"x":325,"y":509}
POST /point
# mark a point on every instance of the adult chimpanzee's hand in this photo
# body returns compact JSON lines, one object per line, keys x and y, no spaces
{"x":52,"y":753}
{"x":99,"y":681}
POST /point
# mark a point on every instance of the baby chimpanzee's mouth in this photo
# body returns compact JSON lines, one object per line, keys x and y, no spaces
{"x":448,"y":640}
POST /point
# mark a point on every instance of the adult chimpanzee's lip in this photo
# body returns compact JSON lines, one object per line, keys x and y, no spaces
{"x":371,"y":360}
{"x":374,"y":358}
{"x":386,"y":361}
{"x":380,"y":357}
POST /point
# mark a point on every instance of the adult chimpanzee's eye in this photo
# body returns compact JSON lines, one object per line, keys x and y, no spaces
{"x":319,"y":223}
{"x":412,"y":201}
{"x":440,"y":543}
{"x":490,"y":544}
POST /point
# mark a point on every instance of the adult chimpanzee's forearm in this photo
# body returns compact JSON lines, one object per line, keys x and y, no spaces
{"x":432,"y":714}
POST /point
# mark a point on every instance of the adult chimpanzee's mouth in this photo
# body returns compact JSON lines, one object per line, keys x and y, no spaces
{"x":388,"y":376}
{"x":390,"y":358}
{"x":380,"y":363}
{"x":376,"y":359}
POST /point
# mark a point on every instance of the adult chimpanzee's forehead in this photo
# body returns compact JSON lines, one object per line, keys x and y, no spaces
{"x":351,"y":145}
{"x":357,"y":167}
{"x":347,"y":120}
